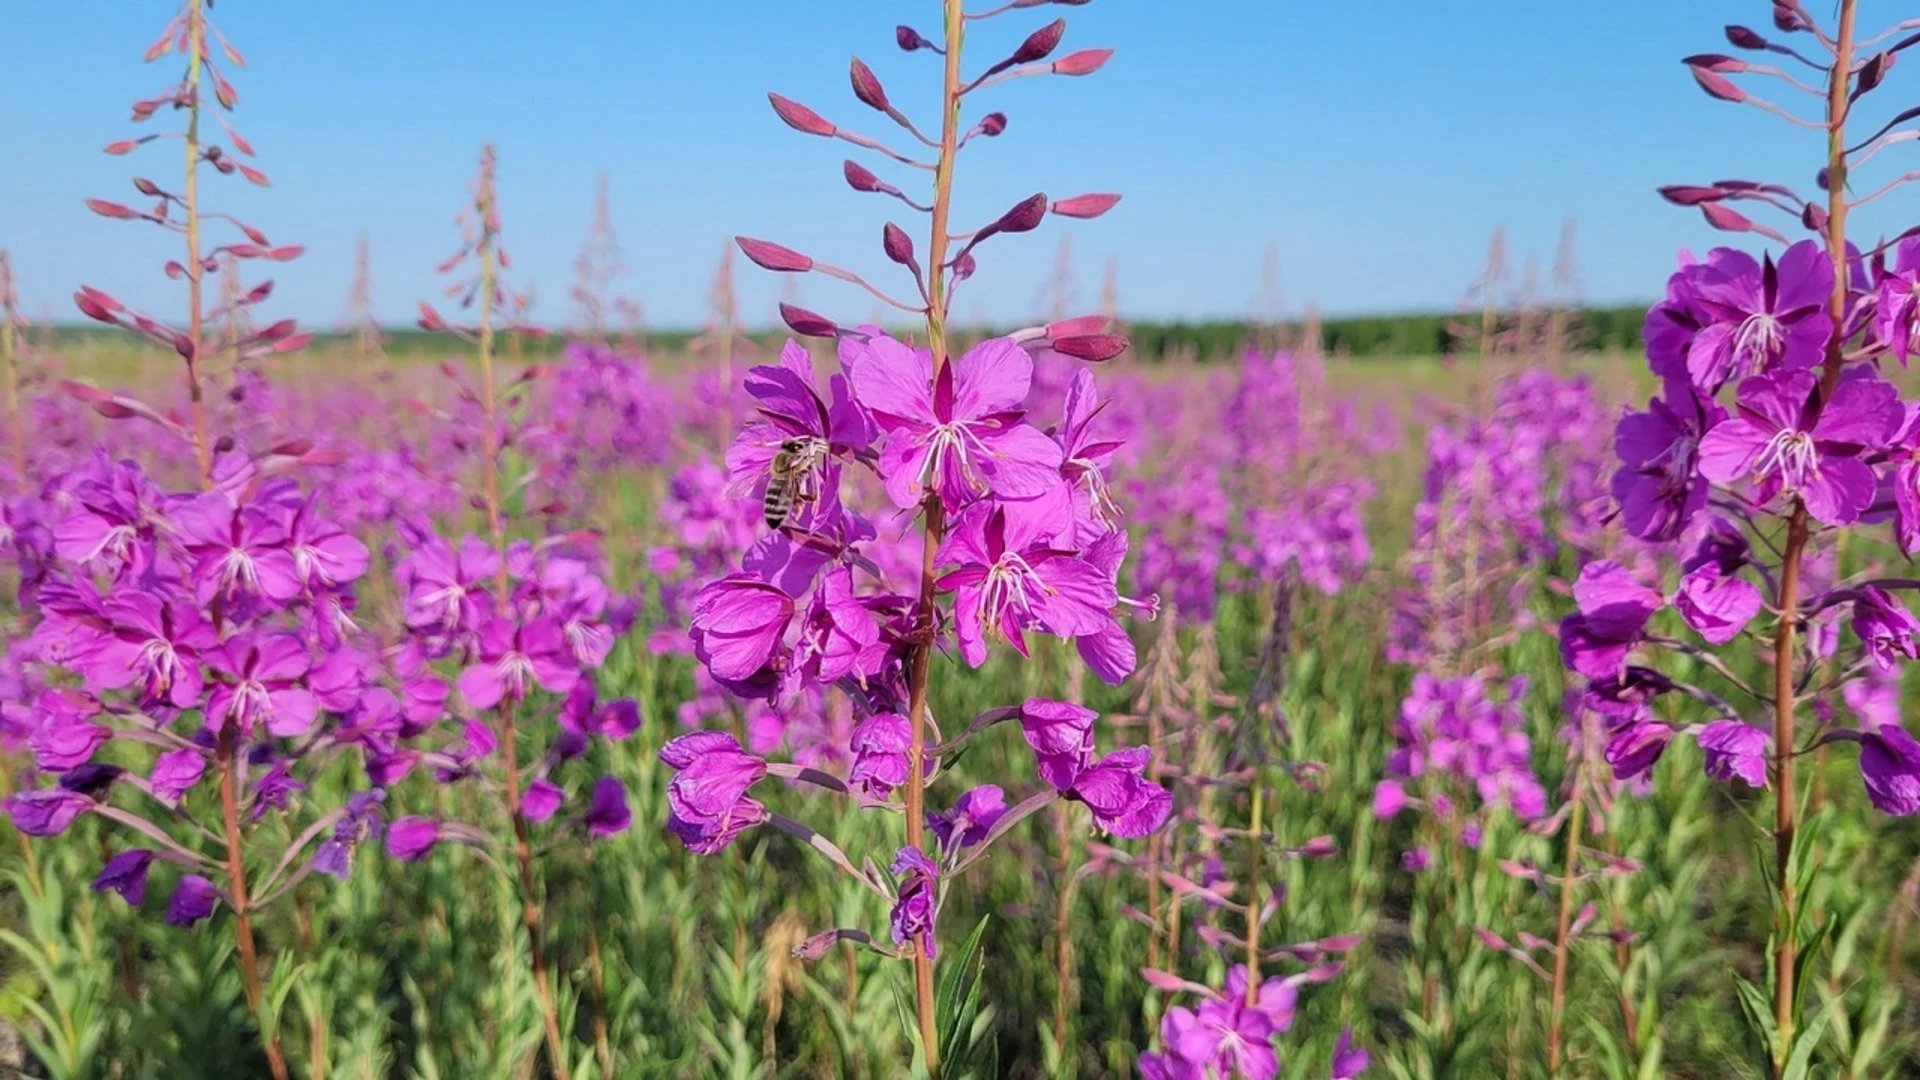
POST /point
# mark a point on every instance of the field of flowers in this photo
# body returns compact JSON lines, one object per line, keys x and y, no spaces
{"x":885,"y":702}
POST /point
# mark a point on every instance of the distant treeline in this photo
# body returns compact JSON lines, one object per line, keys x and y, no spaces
{"x":1600,"y":329}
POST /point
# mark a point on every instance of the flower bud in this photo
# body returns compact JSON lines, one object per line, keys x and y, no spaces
{"x":897,"y":244}
{"x":1725,"y":65}
{"x":963,"y":267}
{"x":1742,"y":38}
{"x":807,"y":323}
{"x":430,"y":319}
{"x":1814,"y":217}
{"x":1024,"y":217}
{"x":1721,"y":217}
{"x":1085,"y":206}
{"x":1040,"y":43}
{"x":800,"y":118}
{"x":1084,"y":62}
{"x":1786,"y":17}
{"x":1716,"y":85}
{"x":1092,"y":348}
{"x":121,"y":146}
{"x":1873,"y":72}
{"x":866,"y":87}
{"x":993,"y":124}
{"x":770,"y":256}
{"x":112,"y":209}
{"x":1688,"y":195}
{"x":861,"y":178}
{"x":909,"y":39}
{"x":96,"y":305}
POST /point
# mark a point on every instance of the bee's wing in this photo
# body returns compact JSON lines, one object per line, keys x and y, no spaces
{"x":743,"y":487}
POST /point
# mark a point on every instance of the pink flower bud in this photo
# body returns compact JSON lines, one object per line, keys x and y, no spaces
{"x":1717,"y":86}
{"x":807,"y":323}
{"x":1319,"y":847}
{"x":770,"y":256}
{"x":1742,"y":38}
{"x":1039,"y":43}
{"x":897,"y":244}
{"x":175,"y":270}
{"x":1024,"y":217}
{"x":963,"y":267}
{"x":800,"y":118}
{"x":1084,"y":62}
{"x":1490,"y":939}
{"x":121,"y":146}
{"x":294,"y":251}
{"x":1687,"y":195}
{"x":1814,"y":217}
{"x":866,"y":87}
{"x":251,"y":173}
{"x":96,"y":305}
{"x":1074,"y":327}
{"x":1092,"y":348}
{"x":861,"y":178}
{"x":909,"y":39}
{"x":112,"y":209}
{"x":1085,"y":206}
{"x":1873,"y":72}
{"x":429,"y":318}
{"x":993,"y":124}
{"x":1161,"y":980}
{"x":1724,"y":218}
{"x":1788,"y":19}
{"x":1725,"y":65}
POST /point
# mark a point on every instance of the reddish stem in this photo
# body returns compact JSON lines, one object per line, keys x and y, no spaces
{"x":237,"y":893}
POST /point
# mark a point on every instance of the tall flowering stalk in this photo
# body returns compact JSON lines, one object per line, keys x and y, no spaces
{"x":1017,"y":535}
{"x":1774,"y":436}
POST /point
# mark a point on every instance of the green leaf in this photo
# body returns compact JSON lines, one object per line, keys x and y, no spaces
{"x":1804,"y":1044}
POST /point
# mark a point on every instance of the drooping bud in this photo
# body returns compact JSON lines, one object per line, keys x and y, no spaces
{"x":1742,"y":38}
{"x":1717,"y":86}
{"x":1717,"y":62}
{"x":1040,"y":43}
{"x":1787,"y":18}
{"x":807,"y":323}
{"x":145,"y":186}
{"x":1093,"y":348}
{"x":96,"y":305}
{"x":993,"y":124}
{"x":430,"y":319}
{"x":112,"y":209}
{"x":867,"y":87}
{"x":861,"y":178}
{"x":897,"y":244}
{"x":1085,"y":206}
{"x":121,"y":146}
{"x":1814,"y":217}
{"x":1084,"y":62}
{"x":1074,"y":327}
{"x":909,"y":39}
{"x":1724,"y":218}
{"x":964,"y":266}
{"x":1688,"y":195}
{"x":771,"y":256}
{"x":1872,"y":73}
{"x":800,"y":118}
{"x":1024,"y":217}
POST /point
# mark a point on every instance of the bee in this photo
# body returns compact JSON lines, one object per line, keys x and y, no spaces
{"x":790,"y":479}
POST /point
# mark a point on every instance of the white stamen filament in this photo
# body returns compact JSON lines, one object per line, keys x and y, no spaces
{"x":158,"y":658}
{"x":1011,"y":583}
{"x":1757,"y":342}
{"x":236,"y":566}
{"x":1791,"y":454}
{"x":516,"y":671}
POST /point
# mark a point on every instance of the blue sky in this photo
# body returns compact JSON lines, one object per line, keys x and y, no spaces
{"x":1377,"y":142}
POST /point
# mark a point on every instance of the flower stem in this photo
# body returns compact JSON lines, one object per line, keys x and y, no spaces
{"x":936,"y":517}
{"x":1786,"y":918}
{"x":237,"y":893}
{"x":190,"y":203}
{"x":1254,"y":842}
{"x":522,"y":849}
{"x":1576,"y":825}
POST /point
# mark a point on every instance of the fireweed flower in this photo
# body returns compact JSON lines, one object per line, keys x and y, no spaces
{"x":1734,"y":749}
{"x":791,"y":408}
{"x":962,"y":435}
{"x":46,"y":812}
{"x":447,"y":591}
{"x":1658,"y":485}
{"x":1061,"y":734}
{"x":879,"y":748}
{"x":607,"y":811}
{"x":1885,"y":626}
{"x":192,"y":900}
{"x":239,"y":551}
{"x":1011,"y":574}
{"x":739,"y":622}
{"x":1759,"y":317}
{"x":973,"y":816}
{"x":1716,"y":604}
{"x":175,"y":773}
{"x":916,"y":905}
{"x":1896,"y":317}
{"x":410,"y":838}
{"x":152,"y":642}
{"x":1085,"y":457}
{"x":66,"y":737}
{"x":1890,"y":769}
{"x":514,"y":655}
{"x":1614,"y":609}
{"x":1774,"y":439}
{"x":707,"y":798}
{"x":1636,"y":747}
{"x":126,"y":874}
{"x":261,"y":682}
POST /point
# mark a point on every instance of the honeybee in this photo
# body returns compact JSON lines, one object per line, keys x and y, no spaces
{"x":790,"y":479}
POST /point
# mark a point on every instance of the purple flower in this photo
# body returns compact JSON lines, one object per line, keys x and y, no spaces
{"x":410,"y":838}
{"x":175,"y":772}
{"x":541,"y":801}
{"x":334,"y":857}
{"x":47,"y":812}
{"x":961,"y":434}
{"x":707,"y":798}
{"x":324,"y":555}
{"x":447,"y":591}
{"x":126,"y":874}
{"x":1759,"y":317}
{"x":263,"y":676}
{"x":1775,"y":438}
{"x":238,"y":551}
{"x":1635,"y":747}
{"x":1061,"y":734}
{"x":1084,"y":458}
{"x":1716,"y":604}
{"x":1349,"y":1061}
{"x":1614,"y":609}
{"x":1658,"y":484}
{"x":66,"y":738}
{"x":1885,"y":626}
{"x":154,"y":643}
{"x":838,"y":635}
{"x":791,"y":410}
{"x":513,"y":656}
{"x":192,"y":900}
{"x":880,"y":745}
{"x":1890,"y":769}
{"x":1123,"y":801}
{"x":607,"y":812}
{"x":738,"y":623}
{"x":1389,"y":798}
{"x":914,"y":908}
{"x":273,"y":788}
{"x":1897,"y":302}
{"x":1735,"y":749}
{"x":973,"y":816}
{"x":1010,"y":574}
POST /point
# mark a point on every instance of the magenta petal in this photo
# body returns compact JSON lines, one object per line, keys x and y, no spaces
{"x":482,"y":685}
{"x":1728,"y":451}
{"x":541,"y":800}
{"x":992,"y":377}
